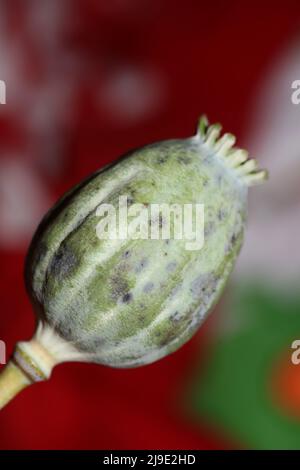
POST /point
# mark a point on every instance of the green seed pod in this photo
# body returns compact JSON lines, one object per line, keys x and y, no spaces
{"x":127,"y":301}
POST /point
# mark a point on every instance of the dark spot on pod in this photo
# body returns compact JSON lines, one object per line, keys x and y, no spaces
{"x":233,"y":238}
{"x":231,"y":243}
{"x":40,"y":252}
{"x":204,"y":286}
{"x":141,"y":265}
{"x":176,"y":289}
{"x":161,"y":160}
{"x":221,"y":214}
{"x":184,"y":159}
{"x":119,"y":286}
{"x":148,"y":287}
{"x":127,"y":298}
{"x":68,"y":330}
{"x":175,"y":317}
{"x":98,"y":342}
{"x":209,"y":229}
{"x":171,"y":266}
{"x":127,"y":254}
{"x":168,"y":337}
{"x":130,"y":201}
{"x":62,"y":262}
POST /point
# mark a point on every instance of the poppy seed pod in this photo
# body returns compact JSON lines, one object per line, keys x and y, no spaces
{"x":123,"y":300}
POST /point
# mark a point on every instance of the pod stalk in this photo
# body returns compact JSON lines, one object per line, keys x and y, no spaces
{"x":30,"y":363}
{"x":33,"y":361}
{"x":12,"y":381}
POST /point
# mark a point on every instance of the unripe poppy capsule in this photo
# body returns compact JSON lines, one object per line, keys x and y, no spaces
{"x":123,"y":300}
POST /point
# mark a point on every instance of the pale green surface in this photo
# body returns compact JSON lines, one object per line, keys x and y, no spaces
{"x":82,"y":283}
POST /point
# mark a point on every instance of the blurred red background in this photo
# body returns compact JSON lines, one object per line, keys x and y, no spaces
{"x":87,"y":81}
